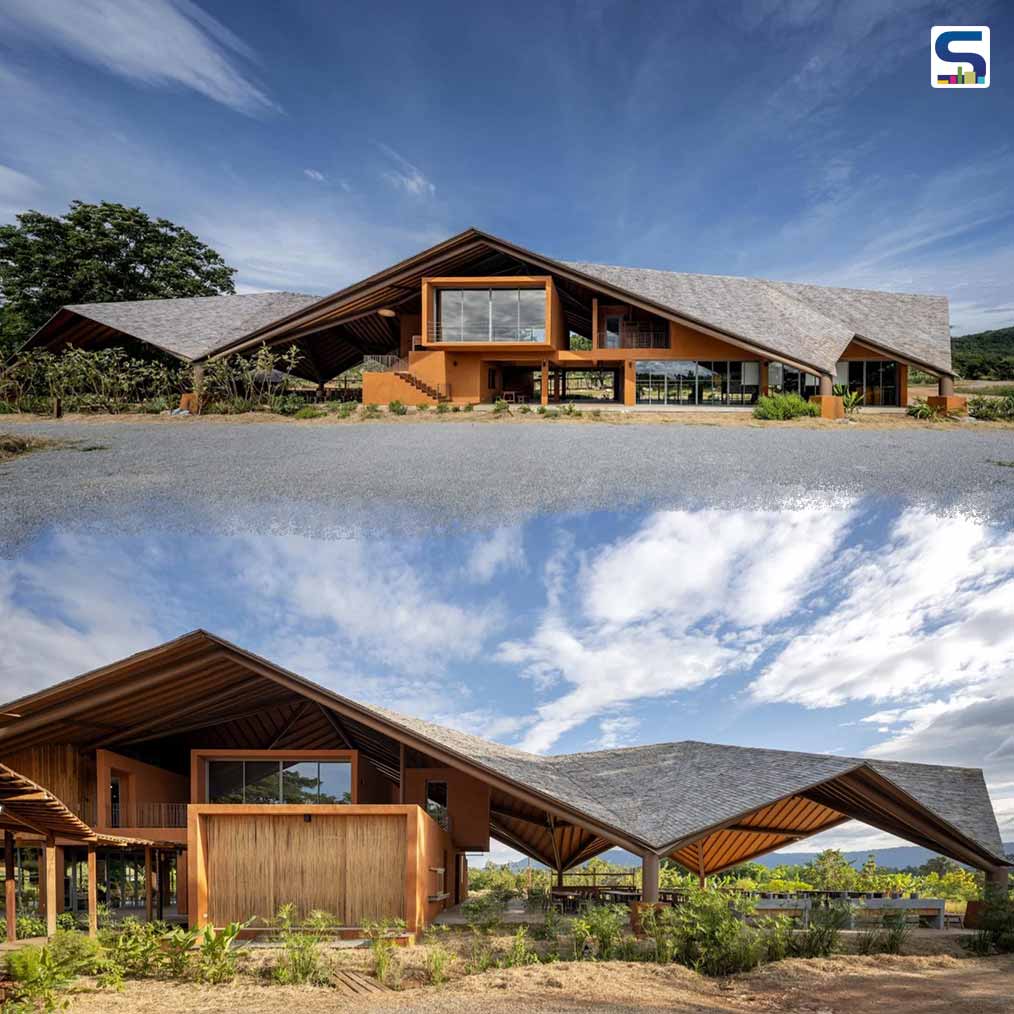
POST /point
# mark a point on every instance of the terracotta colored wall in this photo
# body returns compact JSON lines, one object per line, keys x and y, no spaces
{"x":467,"y":804}
{"x":857,"y":351}
{"x":433,"y":850}
{"x":555,"y":323}
{"x":410,"y":325}
{"x":383,"y":388}
{"x":139,"y":783}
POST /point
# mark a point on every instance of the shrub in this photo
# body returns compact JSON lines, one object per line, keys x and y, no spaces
{"x":541,"y":410}
{"x":500,"y":407}
{"x":310,"y":412}
{"x":346,"y":409}
{"x":604,"y":924}
{"x":991,"y":409}
{"x":784,"y":406}
{"x":216,"y":962}
{"x":443,"y":408}
{"x":851,"y":400}
{"x":520,"y":951}
{"x":423,"y":408}
{"x":134,"y":948}
{"x":524,"y":409}
{"x":484,"y":912}
{"x":437,"y":959}
{"x":179,"y":946}
{"x":712,"y":938}
{"x":662,"y":927}
{"x":922,"y":409}
{"x":777,"y":937}
{"x":371,"y":412}
{"x":37,"y":980}
{"x":75,"y":953}
{"x":29,"y":926}
{"x":996,"y":925}
{"x":386,"y":966}
{"x":396,"y":408}
{"x":301,"y":962}
{"x":823,"y":936}
{"x":468,"y":407}
{"x":455,"y":408}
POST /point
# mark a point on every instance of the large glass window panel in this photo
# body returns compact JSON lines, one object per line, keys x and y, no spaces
{"x":612,"y":337}
{"x":449,"y":314}
{"x":225,"y":781}
{"x":857,"y":376}
{"x":261,"y":782}
{"x":776,"y":378}
{"x":475,"y":315}
{"x":841,"y":373}
{"x":436,"y":802}
{"x":532,"y":315}
{"x":889,"y":383}
{"x":335,"y":782}
{"x":300,"y":781}
{"x":505,"y":314}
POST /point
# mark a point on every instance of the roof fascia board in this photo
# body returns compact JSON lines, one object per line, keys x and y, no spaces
{"x":903,"y":357}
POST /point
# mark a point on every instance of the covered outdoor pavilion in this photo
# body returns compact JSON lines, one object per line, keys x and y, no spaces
{"x":30,"y":813}
{"x":705,"y":806}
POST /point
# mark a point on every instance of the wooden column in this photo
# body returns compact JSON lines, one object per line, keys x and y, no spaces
{"x":93,"y":894}
{"x":595,"y":323}
{"x":559,"y":878}
{"x":51,"y":906}
{"x":701,"y":879}
{"x":401,"y":773}
{"x":544,"y":388}
{"x":147,"y":883}
{"x":763,"y":379}
{"x":629,"y":382}
{"x":11,"y":887}
{"x":649,"y":878}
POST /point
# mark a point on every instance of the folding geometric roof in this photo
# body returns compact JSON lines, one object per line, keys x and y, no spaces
{"x":808,"y":326}
{"x":707,"y":806}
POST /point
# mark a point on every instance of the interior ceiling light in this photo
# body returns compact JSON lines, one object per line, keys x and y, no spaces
{"x":386,"y":311}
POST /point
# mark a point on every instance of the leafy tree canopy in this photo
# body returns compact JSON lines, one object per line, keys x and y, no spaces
{"x":988,"y":355}
{"x":98,"y":253}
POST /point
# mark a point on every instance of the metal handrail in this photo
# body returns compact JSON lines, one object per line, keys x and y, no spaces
{"x":638,"y":334}
{"x":527,"y":335}
{"x":384,"y":364}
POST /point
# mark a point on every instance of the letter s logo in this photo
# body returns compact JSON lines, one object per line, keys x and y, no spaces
{"x":944,"y":51}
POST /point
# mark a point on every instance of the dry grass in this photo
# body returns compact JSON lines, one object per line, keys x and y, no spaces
{"x":13,"y":446}
{"x":935,"y":984}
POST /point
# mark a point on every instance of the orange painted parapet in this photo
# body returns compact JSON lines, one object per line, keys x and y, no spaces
{"x":831,"y":406}
{"x":949,"y":403}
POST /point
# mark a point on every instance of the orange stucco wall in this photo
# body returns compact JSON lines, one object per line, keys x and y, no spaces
{"x":139,"y":783}
{"x":467,"y":804}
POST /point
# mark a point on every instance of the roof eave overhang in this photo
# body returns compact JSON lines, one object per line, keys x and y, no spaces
{"x":903,"y":356}
{"x":474,"y":236}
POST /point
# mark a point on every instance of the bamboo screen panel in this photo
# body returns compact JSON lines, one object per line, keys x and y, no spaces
{"x":353,"y":867}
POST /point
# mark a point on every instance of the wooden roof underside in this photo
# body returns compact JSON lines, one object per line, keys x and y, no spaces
{"x":200,"y":692}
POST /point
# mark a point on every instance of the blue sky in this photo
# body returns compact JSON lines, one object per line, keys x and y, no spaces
{"x":859,"y":628}
{"x":314,"y":143}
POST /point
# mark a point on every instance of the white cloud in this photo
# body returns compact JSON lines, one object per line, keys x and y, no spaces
{"x":678,"y":603}
{"x":932,"y":608}
{"x":494,"y":553}
{"x":315,"y":175}
{"x":157,"y":42}
{"x":407,"y":177}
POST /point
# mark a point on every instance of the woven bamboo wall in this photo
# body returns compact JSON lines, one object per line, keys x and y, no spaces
{"x":352,"y":866}
{"x":61,"y":769}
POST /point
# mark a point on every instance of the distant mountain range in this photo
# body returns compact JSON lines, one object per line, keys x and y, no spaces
{"x":898,"y":857}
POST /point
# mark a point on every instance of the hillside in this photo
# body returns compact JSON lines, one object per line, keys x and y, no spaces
{"x":988,"y":355}
{"x":896,"y":858}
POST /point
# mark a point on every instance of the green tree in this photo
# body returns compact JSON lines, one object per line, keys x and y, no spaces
{"x":98,"y":253}
{"x":831,"y":871}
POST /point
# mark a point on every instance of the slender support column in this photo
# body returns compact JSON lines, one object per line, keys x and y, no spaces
{"x":93,"y":894}
{"x":649,"y":878}
{"x":544,"y":387}
{"x":10,"y":887}
{"x":559,"y":878}
{"x":701,"y":878}
{"x":763,"y":377}
{"x":401,"y":774}
{"x":50,"y":859}
{"x":826,"y":385}
{"x":147,"y":883}
{"x":945,"y":386}
{"x":629,"y":382}
{"x":998,"y":880}
{"x":946,"y":400}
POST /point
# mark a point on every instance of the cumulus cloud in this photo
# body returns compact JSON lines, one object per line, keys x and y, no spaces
{"x":157,"y":42}
{"x":678,"y":603}
{"x":931,"y":608}
{"x":494,"y":553}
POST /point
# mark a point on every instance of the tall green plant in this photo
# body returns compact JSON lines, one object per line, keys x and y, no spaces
{"x":216,"y":963}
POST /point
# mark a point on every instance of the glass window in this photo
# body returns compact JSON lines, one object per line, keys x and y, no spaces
{"x":225,"y":781}
{"x":300,"y":781}
{"x":261,"y":782}
{"x":436,"y":802}
{"x":449,"y":314}
{"x":335,"y":782}
{"x":612,"y":339}
{"x":532,"y":315}
{"x":505,"y":314}
{"x":475,"y":319}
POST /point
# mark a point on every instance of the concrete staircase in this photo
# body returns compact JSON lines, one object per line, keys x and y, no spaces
{"x":420,"y":385}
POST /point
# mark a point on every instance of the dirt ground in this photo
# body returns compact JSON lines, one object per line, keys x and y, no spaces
{"x":940,"y":984}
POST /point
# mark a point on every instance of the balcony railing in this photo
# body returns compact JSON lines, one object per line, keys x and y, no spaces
{"x":481,"y":334}
{"x":636,"y":334}
{"x":148,"y":815}
{"x":384,"y":364}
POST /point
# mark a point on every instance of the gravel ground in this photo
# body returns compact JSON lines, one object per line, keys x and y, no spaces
{"x":339,"y":479}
